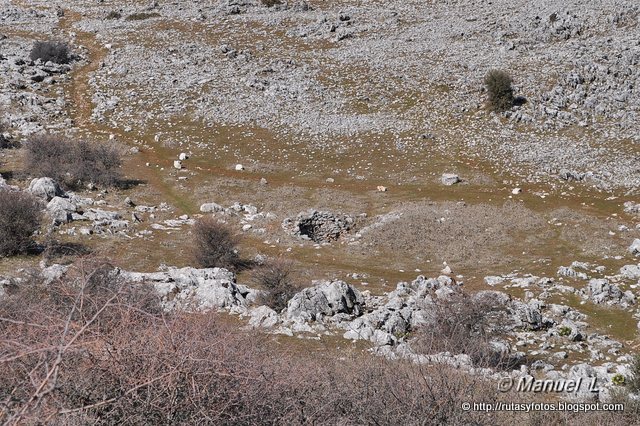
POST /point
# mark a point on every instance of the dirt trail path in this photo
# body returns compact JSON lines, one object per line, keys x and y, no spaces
{"x":78,"y":94}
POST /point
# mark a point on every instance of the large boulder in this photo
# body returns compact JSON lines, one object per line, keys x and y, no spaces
{"x":325,"y":299}
{"x":193,"y":289}
{"x":211,"y":208}
{"x":602,"y":291}
{"x":60,"y":210}
{"x":631,"y":272}
{"x":45,"y":188}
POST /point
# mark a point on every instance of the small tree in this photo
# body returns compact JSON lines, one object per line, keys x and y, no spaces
{"x":499,"y":88}
{"x":276,"y":277}
{"x":215,"y":245}
{"x":53,"y":51}
{"x":20,"y":217}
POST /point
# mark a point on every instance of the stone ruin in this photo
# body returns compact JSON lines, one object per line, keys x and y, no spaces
{"x":317,"y":226}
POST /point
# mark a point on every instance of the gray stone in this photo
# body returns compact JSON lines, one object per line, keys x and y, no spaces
{"x":211,"y":208}
{"x":325,"y":299}
{"x":318,"y":226}
{"x":197,"y":289}
{"x":45,"y":188}
{"x":450,"y":179}
{"x":60,"y":210}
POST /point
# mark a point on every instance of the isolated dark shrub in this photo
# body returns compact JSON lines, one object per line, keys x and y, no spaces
{"x":20,"y":216}
{"x":6,"y":143}
{"x":499,"y":88}
{"x":271,"y":3}
{"x":276,"y":277}
{"x":140,"y":16}
{"x":215,"y":245}
{"x":73,"y":163}
{"x":54,"y":51}
{"x":114,"y":14}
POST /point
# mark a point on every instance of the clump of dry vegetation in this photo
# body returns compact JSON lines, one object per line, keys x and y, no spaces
{"x":141,"y":16}
{"x":54,"y":51}
{"x":463,"y":324}
{"x":20,"y":218}
{"x":114,"y":14}
{"x":91,"y":348}
{"x":215,"y":245}
{"x":73,"y":163}
{"x":498,"y":84}
{"x":271,"y":3}
{"x":277,"y":278}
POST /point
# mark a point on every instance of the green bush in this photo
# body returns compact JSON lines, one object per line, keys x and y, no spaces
{"x":498,"y":84}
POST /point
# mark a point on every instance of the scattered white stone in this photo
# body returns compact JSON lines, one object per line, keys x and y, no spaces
{"x":450,"y":179}
{"x":177,"y":164}
{"x":183,"y":156}
{"x":239,"y":167}
{"x":211,"y":208}
{"x":516,"y":191}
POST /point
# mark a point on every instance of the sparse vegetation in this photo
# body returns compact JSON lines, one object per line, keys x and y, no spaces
{"x":215,"y":245}
{"x":20,"y":217}
{"x":73,"y":163}
{"x":114,"y":14}
{"x":462,"y":325}
{"x":565,"y":331}
{"x":498,"y":84}
{"x":618,"y":379}
{"x":276,"y":277}
{"x":141,"y":16}
{"x":271,"y":3}
{"x":54,"y":51}
{"x":633,"y":381}
{"x":90,"y":348}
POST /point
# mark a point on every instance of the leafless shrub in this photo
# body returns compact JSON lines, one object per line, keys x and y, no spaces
{"x":114,"y":14}
{"x":271,"y":3}
{"x":5,"y":142}
{"x":20,"y":218}
{"x":215,"y":245}
{"x":498,"y":84}
{"x":53,"y":51}
{"x":91,"y":349}
{"x":73,"y":163}
{"x":465,"y":325}
{"x":633,"y":381}
{"x":277,"y":278}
